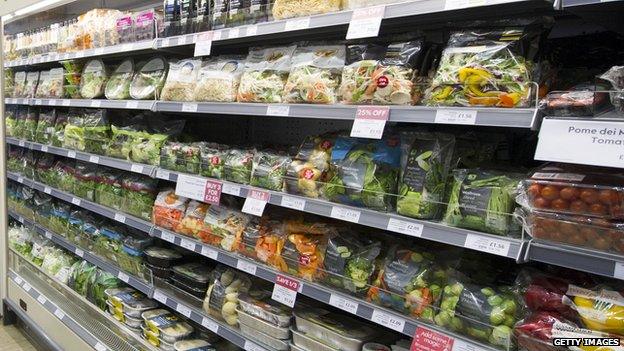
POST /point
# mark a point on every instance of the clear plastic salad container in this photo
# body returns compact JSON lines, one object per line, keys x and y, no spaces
{"x":161,"y":257}
{"x":118,"y":85}
{"x":149,"y":79}
{"x":93,"y":80}
{"x":195,"y":275}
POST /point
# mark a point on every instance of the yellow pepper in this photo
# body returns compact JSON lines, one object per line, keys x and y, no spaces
{"x":601,"y":316}
{"x":443,"y":94}
{"x":465,"y":72}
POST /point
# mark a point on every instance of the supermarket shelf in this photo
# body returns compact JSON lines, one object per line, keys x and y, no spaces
{"x":86,"y":157}
{"x":587,"y":260}
{"x":97,"y":103}
{"x":32,"y":326}
{"x":573,"y":3}
{"x":45,"y":301}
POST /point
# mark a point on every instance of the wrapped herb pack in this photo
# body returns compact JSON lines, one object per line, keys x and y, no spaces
{"x":149,"y":79}
{"x":425,"y":163}
{"x":93,"y":80}
{"x":212,"y":160}
{"x":238,"y":165}
{"x":118,"y":85}
{"x":181,"y":80}
{"x":10,"y":120}
{"x":269,"y":169}
{"x":45,"y":172}
{"x":85,"y":174}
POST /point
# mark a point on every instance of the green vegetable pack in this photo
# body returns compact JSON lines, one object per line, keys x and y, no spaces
{"x":365,"y":172}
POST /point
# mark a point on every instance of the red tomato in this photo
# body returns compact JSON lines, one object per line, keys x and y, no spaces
{"x":589,"y":233}
{"x":534,"y":190}
{"x":601,"y":243}
{"x":590,"y":196}
{"x":578,"y":206}
{"x":568,"y":229}
{"x":576,"y":239}
{"x":549,"y":192}
{"x":616,"y":211}
{"x":560,"y":204}
{"x":608,"y":196}
{"x":597,"y":209}
{"x":540,"y":202}
{"x":569,"y":193}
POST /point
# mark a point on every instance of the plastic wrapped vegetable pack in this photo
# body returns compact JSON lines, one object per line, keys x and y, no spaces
{"x":615,"y":76}
{"x":238,"y":165}
{"x":93,"y":80}
{"x":266,"y":72}
{"x":10,"y":120}
{"x":181,"y":80}
{"x":224,"y":226}
{"x":51,"y":84}
{"x":263,"y":240}
{"x":219,"y":79}
{"x":59,"y":216}
{"x":425,"y":162}
{"x":20,"y":119}
{"x":32,"y":80}
{"x":85,"y":174}
{"x":482,"y":200}
{"x":66,"y":179}
{"x":149,"y":79}
{"x":58,"y":263}
{"x":212,"y":160}
{"x":20,"y":240}
{"x":45,"y":126}
{"x":485,"y":67}
{"x":365,"y":172}
{"x":146,"y":145}
{"x":409,"y":282}
{"x":118,"y":85}
{"x":139,"y":193}
{"x":9,"y":82}
{"x":297,"y":8}
{"x":311,"y":167}
{"x":30,"y":124}
{"x":192,"y":221}
{"x":89,"y":131}
{"x":45,"y":172}
{"x":168,"y":209}
{"x":269,"y":169}
{"x":481,"y":312}
{"x":181,"y":157}
{"x":14,"y":159}
{"x":19,"y":90}
{"x":315,"y":74}
{"x":108,"y":190}
{"x":43,"y":207}
{"x":108,"y":243}
{"x":222,"y":296}
{"x":57,"y":136}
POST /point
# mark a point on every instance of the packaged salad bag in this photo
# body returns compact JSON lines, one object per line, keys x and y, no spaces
{"x":310,"y":168}
{"x":51,"y":84}
{"x":181,"y":157}
{"x":149,"y":79}
{"x":268,"y":170}
{"x":123,"y":133}
{"x":10,"y":120}
{"x":19,"y":90}
{"x":219,"y":79}
{"x":192,"y":221}
{"x":315,"y":74}
{"x":9,"y":82}
{"x":283,"y":9}
{"x":44,"y":170}
{"x":108,"y":189}
{"x":118,"y":85}
{"x":59,"y":216}
{"x":212,"y":160}
{"x":45,"y":125}
{"x":238,"y":165}
{"x":168,"y":209}
{"x":93,"y":79}
{"x":425,"y":163}
{"x":139,"y":193}
{"x":224,"y":225}
{"x":30,"y":123}
{"x":13,"y":158}
{"x":57,"y":136}
{"x":490,"y":65}
{"x":146,"y":145}
{"x":65,"y":170}
{"x":85,"y":174}
{"x":365,"y":172}
{"x":181,"y":80}
{"x":32,"y":80}
{"x":266,"y":72}
{"x":87,"y":130}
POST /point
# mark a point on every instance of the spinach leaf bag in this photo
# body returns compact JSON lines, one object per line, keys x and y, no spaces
{"x":425,"y":163}
{"x":482,"y":200}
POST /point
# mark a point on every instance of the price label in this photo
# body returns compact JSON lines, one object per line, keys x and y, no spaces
{"x":234,"y":33}
{"x":48,"y":235}
{"x":132,"y":104}
{"x":212,"y":192}
{"x":27,"y":287}
{"x":345,"y":214}
{"x":388,"y":320}
{"x":123,"y":277}
{"x":231,"y":189}
{"x":209,"y":252}
{"x":256,"y":202}
{"x":166,"y":42}
{"x":203,"y":45}
{"x":37,"y":102}
{"x":47,"y":190}
{"x":216,"y":35}
{"x":210,"y":325}
{"x":66,"y":102}
{"x":21,"y":143}
{"x":71,"y":154}
{"x":136,"y":168}
{"x":297,"y":24}
{"x":160,"y":297}
{"x":79,"y":54}
{"x":250,"y":346}
{"x":42,"y":300}
{"x":59,"y":314}
{"x":618,"y":271}
{"x":18,"y":280}
{"x":162,"y":173}
{"x":190,"y":187}
{"x":446,"y":116}
{"x":185,"y":311}
{"x":278,"y":110}
{"x":20,"y":179}
{"x":370,"y":121}
{"x":246,"y":267}
{"x":426,"y":339}
{"x":343,"y":303}
{"x":44,"y":148}
{"x":486,"y":244}
{"x":76,"y":201}
{"x":285,"y":290}
{"x":99,"y":51}
{"x":94,"y":159}
{"x":120,"y":218}
{"x":20,"y":219}
{"x":405,"y":227}
{"x":127,"y":47}
{"x":462,"y":4}
{"x":99,"y":347}
{"x":79,"y":252}
{"x":365,"y":22}
{"x":189,"y":107}
{"x":167,"y":236}
{"x":53,"y":102}
{"x":187,"y":244}
{"x":251,"y":30}
{"x":96,"y":103}
{"x":293,"y":202}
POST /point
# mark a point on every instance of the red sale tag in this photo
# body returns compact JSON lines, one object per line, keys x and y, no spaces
{"x":212,"y":194}
{"x":287,"y":282}
{"x":285,"y":290}
{"x":370,"y":121}
{"x":429,"y":340}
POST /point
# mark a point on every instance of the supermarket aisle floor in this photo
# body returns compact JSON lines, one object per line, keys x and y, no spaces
{"x":12,"y":339}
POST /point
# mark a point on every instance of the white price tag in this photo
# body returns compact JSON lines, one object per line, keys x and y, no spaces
{"x":66,"y":102}
{"x":99,"y":51}
{"x":231,"y":189}
{"x":256,"y":202}
{"x":486,"y":244}
{"x":18,"y":280}
{"x":166,"y":236}
{"x":132,"y":104}
{"x":96,"y":103}
{"x":123,"y":276}
{"x":343,"y":303}
{"x":297,"y":24}
{"x":461,"y":345}
{"x":20,"y":219}
{"x":285,"y":290}
{"x":345,"y":214}
{"x":59,"y":314}
{"x":162,"y":173}
{"x":405,"y":227}
{"x":99,"y":347}
{"x":210,"y":325}
{"x":79,"y":252}
{"x":203,"y":45}
{"x":618,"y":271}
{"x":94,"y":159}
{"x":188,"y":244}
{"x":71,"y":154}
{"x":365,"y":22}
{"x":37,"y":102}
{"x":278,"y":110}
{"x":251,"y":30}
{"x":53,"y":102}
{"x":160,"y":297}
{"x":27,"y":287}
{"x":246,"y":267}
{"x":388,"y":320}
{"x":136,"y":168}
{"x":44,"y":148}
{"x":20,"y":179}
{"x":209,"y":252}
{"x":48,"y":235}
{"x":462,"y":4}
{"x":21,"y":143}
{"x":47,"y":190}
{"x":216,"y":35}
{"x":370,"y":121}
{"x":250,"y":346}
{"x":191,"y":187}
{"x":189,"y":107}
{"x":185,"y":311}
{"x":233,"y":33}
{"x":80,"y":54}
{"x":127,"y":47}
{"x":120,"y":218}
{"x":42,"y":300}
{"x":446,"y":116}
{"x":75,"y":201}
{"x":166,"y":42}
{"x":293,"y":202}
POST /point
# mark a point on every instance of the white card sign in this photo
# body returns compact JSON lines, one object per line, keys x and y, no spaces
{"x":256,"y":202}
{"x":370,"y":121}
{"x":365,"y":22}
{"x":203,"y":45}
